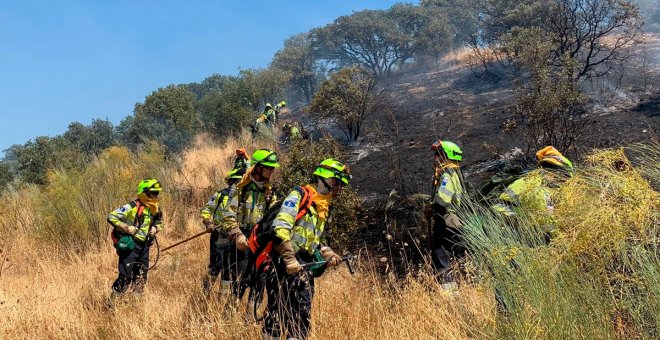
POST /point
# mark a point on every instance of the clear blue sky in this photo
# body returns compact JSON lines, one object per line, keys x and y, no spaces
{"x":65,"y":61}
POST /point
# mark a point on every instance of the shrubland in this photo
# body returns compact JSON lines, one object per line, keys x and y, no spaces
{"x":598,"y":278}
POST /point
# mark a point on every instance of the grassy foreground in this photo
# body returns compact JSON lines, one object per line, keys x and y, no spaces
{"x":599,"y":279}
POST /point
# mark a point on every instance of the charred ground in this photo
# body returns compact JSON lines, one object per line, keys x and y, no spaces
{"x":463,"y":104}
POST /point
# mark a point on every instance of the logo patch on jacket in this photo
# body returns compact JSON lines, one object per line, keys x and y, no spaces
{"x":289,"y":204}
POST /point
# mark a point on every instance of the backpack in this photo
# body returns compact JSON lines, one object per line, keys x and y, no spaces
{"x":262,"y":237}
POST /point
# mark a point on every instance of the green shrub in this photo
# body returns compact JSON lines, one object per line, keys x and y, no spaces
{"x":72,"y":210}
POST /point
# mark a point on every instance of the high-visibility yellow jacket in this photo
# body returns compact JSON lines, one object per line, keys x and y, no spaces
{"x":246,"y":206}
{"x":214,"y":209}
{"x":128,"y":214}
{"x":530,"y":194}
{"x":307,"y":232}
{"x":449,"y":190}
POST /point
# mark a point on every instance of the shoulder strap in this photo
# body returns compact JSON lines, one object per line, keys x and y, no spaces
{"x":140,"y":210}
{"x":223,"y":193}
{"x":305,"y":202}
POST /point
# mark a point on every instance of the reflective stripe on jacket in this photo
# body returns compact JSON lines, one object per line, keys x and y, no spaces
{"x":216,"y":205}
{"x":449,"y":190}
{"x":305,"y":234}
{"x":530,"y":194}
{"x":128,"y":214}
{"x":245,"y":207}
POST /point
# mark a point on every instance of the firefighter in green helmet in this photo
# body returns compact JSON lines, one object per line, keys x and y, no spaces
{"x":269,"y":113}
{"x":222,"y":252}
{"x":135,"y":226}
{"x":299,"y":233}
{"x":278,"y":109}
{"x":447,"y":194}
{"x":247,"y":202}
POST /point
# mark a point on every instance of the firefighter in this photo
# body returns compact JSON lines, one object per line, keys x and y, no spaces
{"x":222,"y":251}
{"x":135,"y":226}
{"x":247,"y":203}
{"x":448,"y":190}
{"x":290,"y":289}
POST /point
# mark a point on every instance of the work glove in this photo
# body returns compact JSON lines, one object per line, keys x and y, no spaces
{"x":131,"y":230}
{"x":153,"y":231}
{"x":289,"y":257}
{"x":209,"y":225}
{"x":452,"y":221}
{"x":330,"y":256}
{"x":240,"y":240}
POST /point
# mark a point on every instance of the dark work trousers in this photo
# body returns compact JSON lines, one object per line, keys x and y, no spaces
{"x":226,"y":261}
{"x":445,"y":245}
{"x":289,"y":308}
{"x":133,"y":267}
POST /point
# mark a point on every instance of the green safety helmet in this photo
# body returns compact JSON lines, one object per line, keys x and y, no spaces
{"x":235,"y":174}
{"x":331,"y":168}
{"x":282,"y":104}
{"x":449,"y":149}
{"x":149,"y":184}
{"x":265,"y":157}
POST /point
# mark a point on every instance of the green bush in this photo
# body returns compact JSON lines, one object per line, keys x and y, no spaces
{"x":72,"y":210}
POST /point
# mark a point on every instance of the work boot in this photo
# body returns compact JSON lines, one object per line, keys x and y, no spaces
{"x":225,"y":287}
{"x":207,"y":284}
{"x":267,"y":336}
{"x":112,"y":301}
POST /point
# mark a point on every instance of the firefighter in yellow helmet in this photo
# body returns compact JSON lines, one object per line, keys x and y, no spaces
{"x":135,"y":226}
{"x":532,"y":193}
{"x":448,"y":191}
{"x":222,"y":252}
{"x":247,"y":203}
{"x":299,"y":233}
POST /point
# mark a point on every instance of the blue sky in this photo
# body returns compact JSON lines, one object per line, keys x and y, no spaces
{"x":65,"y":61}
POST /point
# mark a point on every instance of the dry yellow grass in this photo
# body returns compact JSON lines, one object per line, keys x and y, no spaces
{"x":47,"y":291}
{"x":57,"y":294}
{"x":45,"y":296}
{"x":466,"y":56}
{"x":204,"y":165}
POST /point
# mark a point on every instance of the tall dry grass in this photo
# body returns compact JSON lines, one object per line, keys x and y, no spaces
{"x":50,"y":289}
{"x":47,"y":297}
{"x":598,"y":278}
{"x":468,"y":56}
{"x":584,"y":285}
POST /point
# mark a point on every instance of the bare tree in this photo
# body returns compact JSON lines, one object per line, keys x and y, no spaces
{"x":593,"y":33}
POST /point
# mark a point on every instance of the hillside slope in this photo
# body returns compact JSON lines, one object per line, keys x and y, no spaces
{"x":460,"y":104}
